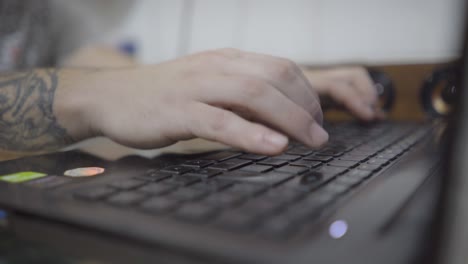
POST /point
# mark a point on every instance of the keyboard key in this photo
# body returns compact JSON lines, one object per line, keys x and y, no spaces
{"x":348,"y":180}
{"x":188,"y":194}
{"x":329,"y":153}
{"x":392,"y":151}
{"x":260,"y":206}
{"x":212,"y":185}
{"x":369,"y":148}
{"x":204,"y":173}
{"x":314,"y":179}
{"x":335,"y":189}
{"x":257,"y":168}
{"x":222,"y":155}
{"x":235,"y":219}
{"x":198,"y":163}
{"x":195,"y":211}
{"x":157,"y":188}
{"x":330,"y":170}
{"x":231,"y":164}
{"x":369,"y":167}
{"x":287,"y":157}
{"x":127,"y":184}
{"x":377,"y":161}
{"x":306,"y":163}
{"x":125,"y":198}
{"x":223,"y":199}
{"x":252,"y":157}
{"x":318,"y":158}
{"x":182,"y":180}
{"x":157,"y":175}
{"x":386,"y":156}
{"x":317,"y":201}
{"x":282,"y":195}
{"x":153,"y":175}
{"x":343,"y":163}
{"x":292,"y":169}
{"x":247,"y":189}
{"x":358,"y":174}
{"x":177,"y":169}
{"x":270,"y":178}
{"x":339,"y":148}
{"x":365,"y":153}
{"x":305,"y":182}
{"x":159,"y":205}
{"x":94,"y":193}
{"x":273,"y":162}
{"x":356,"y":158}
{"x":301,"y":151}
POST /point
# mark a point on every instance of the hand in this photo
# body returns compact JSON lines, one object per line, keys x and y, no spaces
{"x":351,"y":87}
{"x":246,"y":100}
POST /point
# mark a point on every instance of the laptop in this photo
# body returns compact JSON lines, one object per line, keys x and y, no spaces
{"x":378,"y":193}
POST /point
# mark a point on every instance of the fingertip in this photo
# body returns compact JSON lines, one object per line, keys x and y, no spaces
{"x":276,"y":139}
{"x":366,"y":112}
{"x":318,"y":135}
{"x":273,"y":143}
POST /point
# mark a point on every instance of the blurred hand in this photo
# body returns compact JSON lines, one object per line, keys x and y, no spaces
{"x":250,"y":101}
{"x":351,"y":87}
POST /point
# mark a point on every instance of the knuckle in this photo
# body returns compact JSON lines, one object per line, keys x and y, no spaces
{"x":219,"y":122}
{"x":253,"y":88}
{"x":284,"y":69}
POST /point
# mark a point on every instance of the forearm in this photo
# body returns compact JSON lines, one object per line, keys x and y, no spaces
{"x":98,"y":56}
{"x":37,"y":110}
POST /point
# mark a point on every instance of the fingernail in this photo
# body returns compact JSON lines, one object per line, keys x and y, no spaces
{"x":276,"y":140}
{"x":318,"y":134}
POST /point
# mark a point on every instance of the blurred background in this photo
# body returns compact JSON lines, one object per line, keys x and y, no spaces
{"x":313,"y":32}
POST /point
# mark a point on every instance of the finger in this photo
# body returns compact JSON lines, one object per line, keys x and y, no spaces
{"x":282,"y":74}
{"x":360,"y":79}
{"x":345,"y":94}
{"x":267,"y":106}
{"x":380,"y":114}
{"x":220,"y":125}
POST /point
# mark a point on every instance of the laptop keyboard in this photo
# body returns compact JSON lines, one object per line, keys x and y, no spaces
{"x":274,"y":197}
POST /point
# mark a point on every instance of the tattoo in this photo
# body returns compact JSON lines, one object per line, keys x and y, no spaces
{"x":27,"y":120}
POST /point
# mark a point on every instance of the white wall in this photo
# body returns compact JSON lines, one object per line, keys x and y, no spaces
{"x":308,"y":31}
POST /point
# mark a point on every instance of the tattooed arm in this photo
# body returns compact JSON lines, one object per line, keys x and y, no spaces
{"x":27,"y":119}
{"x":242,"y":99}
{"x":250,"y":101}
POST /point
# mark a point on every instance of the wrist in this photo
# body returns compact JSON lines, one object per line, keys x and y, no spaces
{"x":73,"y":106}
